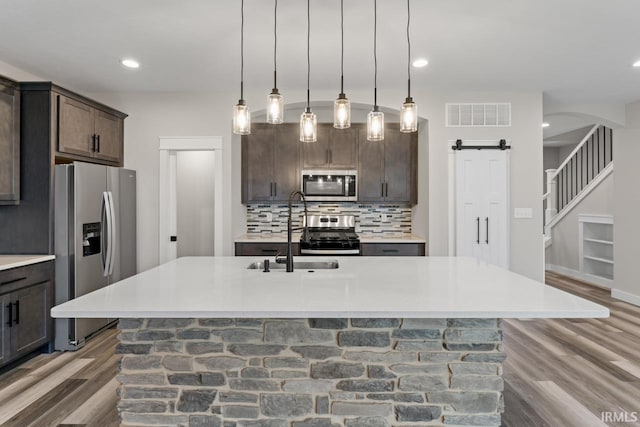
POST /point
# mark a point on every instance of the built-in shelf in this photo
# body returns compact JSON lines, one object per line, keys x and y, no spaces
{"x":596,"y":248}
{"x":604,"y":242}
{"x":594,"y":258}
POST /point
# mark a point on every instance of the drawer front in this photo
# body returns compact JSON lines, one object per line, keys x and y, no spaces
{"x":264,"y":249}
{"x":19,"y":277}
{"x":392,"y":249}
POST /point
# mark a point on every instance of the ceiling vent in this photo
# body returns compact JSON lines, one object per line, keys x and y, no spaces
{"x":478,"y":115}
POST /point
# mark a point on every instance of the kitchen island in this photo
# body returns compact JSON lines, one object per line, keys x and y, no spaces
{"x":376,"y":342}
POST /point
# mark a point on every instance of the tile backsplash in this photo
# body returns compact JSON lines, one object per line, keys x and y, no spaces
{"x":371,"y":219}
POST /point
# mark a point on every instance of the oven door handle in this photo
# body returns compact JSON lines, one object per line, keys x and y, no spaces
{"x":330,"y":251}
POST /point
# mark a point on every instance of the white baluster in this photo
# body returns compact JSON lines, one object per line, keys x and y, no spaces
{"x":552,"y":190}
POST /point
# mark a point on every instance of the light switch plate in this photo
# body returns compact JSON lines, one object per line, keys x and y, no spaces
{"x":268,"y":217}
{"x":523,"y":213}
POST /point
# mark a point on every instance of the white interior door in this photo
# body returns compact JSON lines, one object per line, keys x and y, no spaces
{"x":482,"y":191}
{"x":468,"y":203}
{"x":495,"y":221}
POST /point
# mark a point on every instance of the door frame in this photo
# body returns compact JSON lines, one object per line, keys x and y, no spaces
{"x":452,"y":193}
{"x":169,"y":146}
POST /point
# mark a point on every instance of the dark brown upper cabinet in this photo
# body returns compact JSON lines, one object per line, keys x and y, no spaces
{"x":109,"y":131}
{"x":56,"y":126}
{"x":9,"y":142}
{"x":388,"y":170}
{"x":88,"y":133}
{"x":272,"y":157}
{"x":270,"y":163}
{"x":334,"y":149}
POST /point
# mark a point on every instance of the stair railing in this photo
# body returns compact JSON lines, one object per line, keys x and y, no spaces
{"x":590,"y":157}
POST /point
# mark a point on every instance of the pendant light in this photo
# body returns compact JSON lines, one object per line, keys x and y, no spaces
{"x":375,"y":119}
{"x":342,"y":106}
{"x":409,"y":110}
{"x":308,"y":120}
{"x":275,"y":103}
{"x":241,"y":114}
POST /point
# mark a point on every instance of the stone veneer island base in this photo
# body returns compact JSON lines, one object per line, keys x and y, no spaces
{"x":378,"y":341}
{"x":310,"y":372}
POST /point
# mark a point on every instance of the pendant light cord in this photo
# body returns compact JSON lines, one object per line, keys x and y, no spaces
{"x":408,"y":50}
{"x":308,"y":56}
{"x":275,"y":45}
{"x":375,"y":54}
{"x":342,"y":46}
{"x":242,"y":50}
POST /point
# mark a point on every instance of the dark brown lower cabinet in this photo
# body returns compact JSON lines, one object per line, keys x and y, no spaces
{"x":26,"y":294}
{"x":267,"y":249}
{"x":392,"y":249}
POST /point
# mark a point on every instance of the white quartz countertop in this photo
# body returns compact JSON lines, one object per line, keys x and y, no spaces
{"x":364,"y":238}
{"x":363,"y":287}
{"x":13,"y":261}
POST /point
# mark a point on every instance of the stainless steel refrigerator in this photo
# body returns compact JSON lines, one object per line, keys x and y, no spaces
{"x":95,"y":239}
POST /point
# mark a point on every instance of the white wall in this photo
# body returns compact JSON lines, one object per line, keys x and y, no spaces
{"x":190,"y":114}
{"x":526,"y":163}
{"x":195,"y":198}
{"x":152,"y":115}
{"x":14,"y":73}
{"x":626,"y":232}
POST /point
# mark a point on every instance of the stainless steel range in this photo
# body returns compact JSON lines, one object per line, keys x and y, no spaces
{"x":330,"y":235}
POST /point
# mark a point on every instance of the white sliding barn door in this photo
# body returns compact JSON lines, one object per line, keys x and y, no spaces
{"x":482,"y":221}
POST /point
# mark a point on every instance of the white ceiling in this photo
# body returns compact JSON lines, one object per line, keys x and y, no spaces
{"x":574,"y":50}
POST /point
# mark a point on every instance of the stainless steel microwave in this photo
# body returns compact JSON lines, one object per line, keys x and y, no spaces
{"x":330,"y":185}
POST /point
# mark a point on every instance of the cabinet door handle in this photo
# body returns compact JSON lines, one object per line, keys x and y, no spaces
{"x":382,"y":190}
{"x":10,"y":308}
{"x":275,"y":188}
{"x":98,"y":142}
{"x":478,"y":230}
{"x":487,"y":222}
{"x":390,"y":250}
{"x":269,"y":251}
{"x":93,"y":142}
{"x":386,"y":189}
{"x":17,"y":306}
{"x":271,"y":189}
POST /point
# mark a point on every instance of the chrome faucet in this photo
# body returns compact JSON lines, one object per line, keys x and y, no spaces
{"x":289,"y":258}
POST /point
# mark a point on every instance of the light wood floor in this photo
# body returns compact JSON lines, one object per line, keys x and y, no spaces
{"x":566,"y":372}
{"x":558,"y":373}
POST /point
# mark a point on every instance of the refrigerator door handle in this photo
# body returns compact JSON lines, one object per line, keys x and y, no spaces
{"x":107,"y":224}
{"x":112,"y":234}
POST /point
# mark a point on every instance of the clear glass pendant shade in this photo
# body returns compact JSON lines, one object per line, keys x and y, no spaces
{"x":409,"y":116}
{"x":308,"y":127}
{"x":341,"y":113}
{"x":275,"y":108}
{"x":241,"y":119}
{"x":375,"y":125}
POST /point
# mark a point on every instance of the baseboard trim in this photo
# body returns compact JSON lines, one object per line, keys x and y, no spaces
{"x":585,"y":277}
{"x":626,"y":296}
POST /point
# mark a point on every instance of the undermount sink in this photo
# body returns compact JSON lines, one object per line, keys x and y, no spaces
{"x":330,"y":264}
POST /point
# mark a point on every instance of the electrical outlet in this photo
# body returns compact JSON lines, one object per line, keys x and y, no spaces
{"x":268,"y":217}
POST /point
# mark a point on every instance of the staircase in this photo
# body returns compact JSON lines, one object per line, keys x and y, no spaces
{"x":586,"y":167}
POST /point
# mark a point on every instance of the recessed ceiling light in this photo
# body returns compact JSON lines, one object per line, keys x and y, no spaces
{"x":420,"y":62}
{"x":637,"y":64}
{"x":130,"y":63}
{"x":545,"y":125}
